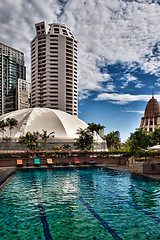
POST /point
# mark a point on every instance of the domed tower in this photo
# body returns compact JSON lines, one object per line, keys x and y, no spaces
{"x":151,"y":119}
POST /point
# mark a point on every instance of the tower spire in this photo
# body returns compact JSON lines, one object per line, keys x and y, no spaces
{"x":152,"y":93}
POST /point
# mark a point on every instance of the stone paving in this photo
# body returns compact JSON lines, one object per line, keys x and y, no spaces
{"x":129,"y":169}
{"x":5,"y":173}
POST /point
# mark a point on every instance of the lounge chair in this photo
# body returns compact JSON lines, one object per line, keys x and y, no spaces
{"x":91,"y":161}
{"x":49,"y":161}
{"x":76,"y":161}
{"x":19,"y":163}
{"x":37,"y":162}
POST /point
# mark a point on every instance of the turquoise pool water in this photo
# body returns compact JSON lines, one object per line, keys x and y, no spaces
{"x":89,"y":204}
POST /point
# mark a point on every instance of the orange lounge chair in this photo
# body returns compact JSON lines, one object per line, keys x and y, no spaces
{"x":19,"y":163}
{"x":76,"y":161}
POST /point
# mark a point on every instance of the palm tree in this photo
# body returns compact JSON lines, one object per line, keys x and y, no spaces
{"x":2,"y":127}
{"x":45,"y":136}
{"x":99,"y":127}
{"x":11,"y":123}
{"x":30,"y":139}
{"x":92,"y":127}
{"x":112,"y":140}
{"x":85,"y":140}
{"x":95,"y":128}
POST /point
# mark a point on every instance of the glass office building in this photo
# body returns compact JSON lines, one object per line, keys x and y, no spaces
{"x":11,"y":69}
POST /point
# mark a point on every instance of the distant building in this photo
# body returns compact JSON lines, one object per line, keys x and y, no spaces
{"x":151,"y":119}
{"x":24,"y":91}
{"x":54,"y":68}
{"x":11,"y":68}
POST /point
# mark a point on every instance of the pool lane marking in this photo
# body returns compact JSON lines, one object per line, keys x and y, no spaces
{"x":128,"y":202}
{"x":142,"y":189}
{"x":47,"y":233}
{"x":96,"y":215}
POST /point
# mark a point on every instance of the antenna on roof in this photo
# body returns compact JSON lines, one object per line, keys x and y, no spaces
{"x":152,"y":93}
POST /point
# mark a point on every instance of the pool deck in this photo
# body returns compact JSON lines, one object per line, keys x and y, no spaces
{"x":130,"y":170}
{"x":7,"y":172}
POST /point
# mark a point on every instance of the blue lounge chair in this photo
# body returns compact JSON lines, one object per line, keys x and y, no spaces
{"x":37,"y":162}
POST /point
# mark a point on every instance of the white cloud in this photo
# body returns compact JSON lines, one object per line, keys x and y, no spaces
{"x":128,"y":78}
{"x":123,"y":99}
{"x":134,"y":111}
{"x":114,"y":31}
{"x":157,"y":82}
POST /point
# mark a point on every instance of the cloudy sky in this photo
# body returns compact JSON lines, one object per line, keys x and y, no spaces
{"x":119,"y":52}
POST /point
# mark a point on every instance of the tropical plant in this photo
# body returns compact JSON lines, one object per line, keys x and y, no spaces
{"x":55,"y":147}
{"x":95,"y":129}
{"x":65,"y":147}
{"x":2,"y":127}
{"x":155,"y":136}
{"x":46,"y":136}
{"x":11,"y":123}
{"x":112,"y":140}
{"x":85,"y":140}
{"x":31,"y":140}
{"x":139,"y":141}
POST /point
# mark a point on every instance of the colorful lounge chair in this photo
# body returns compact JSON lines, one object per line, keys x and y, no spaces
{"x":19,"y":163}
{"x":37,"y":162}
{"x":91,"y":161}
{"x":76,"y":161}
{"x":49,"y":161}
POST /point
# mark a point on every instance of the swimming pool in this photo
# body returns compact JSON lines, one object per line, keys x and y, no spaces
{"x":79,"y":204}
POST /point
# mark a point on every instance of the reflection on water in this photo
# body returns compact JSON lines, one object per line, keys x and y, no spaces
{"x":79,"y":204}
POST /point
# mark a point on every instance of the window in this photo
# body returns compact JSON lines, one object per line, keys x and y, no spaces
{"x":155,"y":121}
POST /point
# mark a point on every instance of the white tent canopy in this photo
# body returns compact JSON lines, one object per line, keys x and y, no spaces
{"x":156,"y":147}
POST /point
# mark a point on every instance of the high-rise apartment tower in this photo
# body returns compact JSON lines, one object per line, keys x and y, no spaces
{"x":54,"y":68}
{"x":11,"y":69}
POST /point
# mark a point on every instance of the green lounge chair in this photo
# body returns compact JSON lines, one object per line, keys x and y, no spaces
{"x":91,"y":161}
{"x":37,"y":162}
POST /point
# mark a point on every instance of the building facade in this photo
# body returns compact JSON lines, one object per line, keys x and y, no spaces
{"x":24,"y":92}
{"x":54,"y":68}
{"x":151,"y":119}
{"x":11,"y":68}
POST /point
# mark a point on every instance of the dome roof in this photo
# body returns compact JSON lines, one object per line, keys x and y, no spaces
{"x":152,"y":108}
{"x":61,"y":123}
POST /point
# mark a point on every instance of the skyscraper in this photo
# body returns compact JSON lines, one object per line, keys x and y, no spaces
{"x":11,"y":68}
{"x":54,"y":68}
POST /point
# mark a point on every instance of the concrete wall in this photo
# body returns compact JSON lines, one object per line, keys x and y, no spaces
{"x":146,"y":167}
{"x":60,"y":161}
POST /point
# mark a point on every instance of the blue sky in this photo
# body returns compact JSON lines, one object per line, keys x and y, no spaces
{"x":118,"y":52}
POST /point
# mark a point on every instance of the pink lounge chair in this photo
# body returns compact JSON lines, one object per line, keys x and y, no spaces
{"x":76,"y":161}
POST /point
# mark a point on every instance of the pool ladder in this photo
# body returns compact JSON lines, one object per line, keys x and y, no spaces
{"x":105,"y":164}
